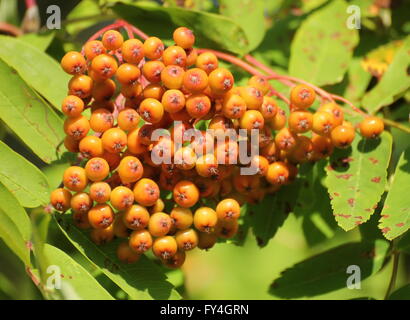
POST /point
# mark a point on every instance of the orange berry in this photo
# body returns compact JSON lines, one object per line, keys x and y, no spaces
{"x":335,"y":110}
{"x":154,"y":91}
{"x":221,"y":80}
{"x":371,"y":127}
{"x":269,"y":107}
{"x":185,"y":158}
{"x":195,"y":80}
{"x":114,"y":140}
{"x":278,"y":122}
{"x":182,"y":217}
{"x":80,"y":220}
{"x":60,"y":199}
{"x":128,"y":119}
{"x":300,"y":121}
{"x":93,"y":48}
{"x":128,"y":74}
{"x":140,"y":241}
{"x":71,"y":144}
{"x":205,"y":219}
{"x":130,"y":169}
{"x":112,"y":40}
{"x":191,"y":56}
{"x":323,"y":122}
{"x":72,"y":106}
{"x":103,"y":90}
{"x":233,"y":106}
{"x":152,"y":70}
{"x":159,"y":224}
{"x":102,"y":236}
{"x":153,"y":48}
{"x":322,"y":147}
{"x":172,"y":76}
{"x":134,"y":142}
{"x":174,"y":55}
{"x":136,"y":217}
{"x":101,"y":216}
{"x":260,"y":163}
{"x":342,"y":136}
{"x":207,"y":61}
{"x":260,"y":83}
{"x":75,"y":178}
{"x":126,"y":254}
{"x":165,"y":247}
{"x":73,"y":63}
{"x":176,"y":261}
{"x":227,"y":229}
{"x":100,"y":192}
{"x":173,"y":101}
{"x":278,"y":173}
{"x":80,"y":86}
{"x":132,"y":51}
{"x":81,"y":202}
{"x":146,"y":192}
{"x":104,"y":66}
{"x":151,"y":110}
{"x":198,"y":105}
{"x":113,"y":159}
{"x":97,"y":169}
{"x":302,"y":96}
{"x":246,"y":184}
{"x":186,"y":239}
{"x":186,"y":194}
{"x":207,"y":166}
{"x":252,"y":119}
{"x":101,"y":120}
{"x":228,"y":209}
{"x":132,"y":91}
{"x":121,"y":198}
{"x":206,"y":240}
{"x":90,"y":147}
{"x":184,"y":37}
{"x":253,"y":97}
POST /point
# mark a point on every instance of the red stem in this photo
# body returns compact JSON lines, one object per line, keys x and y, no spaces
{"x":339,"y":98}
{"x":10,"y":29}
{"x":30,"y":3}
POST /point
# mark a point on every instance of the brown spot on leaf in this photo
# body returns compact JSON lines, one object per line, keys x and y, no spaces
{"x":351,"y":202}
{"x":385,"y":216}
{"x":373,"y":160}
{"x":335,"y":35}
{"x":385,"y":230}
{"x":401,"y":224}
{"x":346,"y":216}
{"x":346,"y":176}
{"x":376,"y":179}
{"x":336,"y":194}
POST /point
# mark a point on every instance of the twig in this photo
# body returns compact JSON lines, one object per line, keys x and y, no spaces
{"x":393,"y":278}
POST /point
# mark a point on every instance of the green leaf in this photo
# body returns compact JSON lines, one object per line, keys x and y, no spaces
{"x":322,"y":47}
{"x":141,"y":280}
{"x":211,"y":30}
{"x":395,"y":216}
{"x":356,"y":179}
{"x":401,"y":294}
{"x":250,"y":16}
{"x":39,"y":70}
{"x":29,"y":116}
{"x":9,"y":11}
{"x":313,"y":204}
{"x":358,"y":80}
{"x":10,"y":205}
{"x":268,"y":215}
{"x":24,"y":180}
{"x":394,"y":82}
{"x":39,"y":40}
{"x":76,"y":283}
{"x":86,"y":8}
{"x":15,"y":228}
{"x":327,"y":271}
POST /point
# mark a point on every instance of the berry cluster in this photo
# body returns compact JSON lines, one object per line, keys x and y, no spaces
{"x":133,"y":89}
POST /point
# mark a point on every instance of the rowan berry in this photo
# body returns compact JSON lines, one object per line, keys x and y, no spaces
{"x":278,"y":173}
{"x":260,"y":164}
{"x":113,"y":159}
{"x":278,"y":122}
{"x":140,"y":241}
{"x":303,"y":151}
{"x":165,"y":247}
{"x":153,"y":48}
{"x":120,"y":229}
{"x":97,"y":169}
{"x":233,"y":106}
{"x":101,"y":120}
{"x":252,"y":119}
{"x":128,"y":119}
{"x":121,"y":198}
{"x":100,"y":192}
{"x":71,"y":144}
{"x":152,"y":71}
{"x":104,"y":66}
{"x":130,"y":169}
{"x":158,"y":206}
{"x":173,"y":101}
{"x":60,"y":199}
{"x":205,"y":219}
{"x":114,"y":140}
{"x":198,"y":105}
{"x":302,"y":96}
{"x":220,"y":124}
{"x":322,"y":147}
{"x":80,"y":86}
{"x":93,"y":48}
{"x":335,"y":110}
{"x":206,"y":240}
{"x":207,"y":61}
{"x":72,"y":106}
{"x":162,"y":150}
{"x":151,"y":110}
{"x":207,"y":166}
{"x":136,"y":217}
{"x":260,"y":83}
{"x":186,"y":239}
{"x":246,"y":184}
{"x":185,"y":158}
{"x":154,"y":91}
{"x":159,"y":224}
{"x":342,"y":136}
{"x":186,"y":194}
{"x":227,"y":153}
{"x":80,"y":220}
{"x":371,"y":127}
{"x":73,"y":63}
{"x":228,"y":209}
{"x":300,"y":121}
{"x":253,"y":97}
{"x":100,"y":216}
{"x":146,"y":192}
{"x":220,"y":81}
{"x":176,"y":261}
{"x":112,"y":40}
{"x":81,"y":202}
{"x":191,"y":56}
{"x":90,"y":147}
{"x":323,"y":122}
{"x":227,"y":229}
{"x":172,"y":77}
{"x":128,"y":74}
{"x":75,"y":178}
{"x":169,"y":182}
{"x":125,"y":254}
{"x":174,"y":55}
{"x":103,"y":90}
{"x":132,"y":51}
{"x":195,"y":80}
{"x":102,"y":236}
{"x":184,"y":37}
